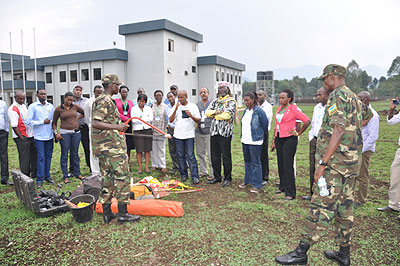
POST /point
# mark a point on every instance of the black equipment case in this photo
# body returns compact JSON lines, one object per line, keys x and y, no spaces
{"x":45,"y":204}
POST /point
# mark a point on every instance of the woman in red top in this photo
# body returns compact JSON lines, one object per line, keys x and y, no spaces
{"x":124,"y":108}
{"x":285,"y":141}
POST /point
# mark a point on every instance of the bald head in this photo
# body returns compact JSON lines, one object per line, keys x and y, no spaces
{"x":262,"y":97}
{"x":182,"y":97}
{"x":19,"y":97}
{"x":365,"y":97}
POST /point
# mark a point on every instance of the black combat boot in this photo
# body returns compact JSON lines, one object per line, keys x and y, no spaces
{"x":108,"y":216}
{"x":342,"y":256}
{"x":124,"y":216}
{"x":295,"y":257}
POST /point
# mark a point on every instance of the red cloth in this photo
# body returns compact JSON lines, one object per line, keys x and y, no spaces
{"x":288,"y":121}
{"x":21,"y":124}
{"x":120,"y":107}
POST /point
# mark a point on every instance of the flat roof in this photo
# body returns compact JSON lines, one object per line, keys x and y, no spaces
{"x":221,"y":61}
{"x":160,"y":24}
{"x":7,"y":56}
{"x":108,"y":54}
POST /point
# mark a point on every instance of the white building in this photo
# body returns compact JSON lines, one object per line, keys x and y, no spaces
{"x":157,"y":54}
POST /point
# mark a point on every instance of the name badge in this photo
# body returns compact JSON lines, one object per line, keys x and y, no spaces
{"x":125,"y":112}
{"x":203,"y":117}
{"x":202,"y":125}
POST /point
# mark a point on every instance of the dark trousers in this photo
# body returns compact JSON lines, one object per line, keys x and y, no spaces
{"x":252,"y":164}
{"x":27,"y":154}
{"x":172,"y":150}
{"x":86,"y":147}
{"x":4,"y":155}
{"x":44,"y":154}
{"x":286,"y":150}
{"x":221,"y":147}
{"x":264,"y":158}
{"x":313,"y":149}
{"x":185,"y":151}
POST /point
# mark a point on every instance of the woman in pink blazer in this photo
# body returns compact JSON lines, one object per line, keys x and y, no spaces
{"x":124,"y":108}
{"x":285,"y":141}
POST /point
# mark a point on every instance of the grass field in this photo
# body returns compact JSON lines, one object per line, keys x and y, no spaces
{"x":226,"y":226}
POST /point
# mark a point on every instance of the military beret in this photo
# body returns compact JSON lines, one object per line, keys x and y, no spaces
{"x":111,"y":78}
{"x":334,"y":69}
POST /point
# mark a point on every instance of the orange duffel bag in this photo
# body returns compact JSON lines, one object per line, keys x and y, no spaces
{"x":148,"y":207}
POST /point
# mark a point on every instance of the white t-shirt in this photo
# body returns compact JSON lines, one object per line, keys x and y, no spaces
{"x":246,"y":129}
{"x":267,"y":107}
{"x":184,"y":126}
{"x":13,"y":117}
{"x":146,"y":115}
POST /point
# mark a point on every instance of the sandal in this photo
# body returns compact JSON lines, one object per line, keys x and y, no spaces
{"x":66,"y":180}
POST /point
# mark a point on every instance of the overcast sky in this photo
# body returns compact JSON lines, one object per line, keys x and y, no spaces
{"x":262,"y":35}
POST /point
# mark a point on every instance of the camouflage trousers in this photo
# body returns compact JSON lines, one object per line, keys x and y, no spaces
{"x":338,"y":204}
{"x":115,"y":171}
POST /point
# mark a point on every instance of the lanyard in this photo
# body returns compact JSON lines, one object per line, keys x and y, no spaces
{"x":280,"y":112}
{"x":125,"y":106}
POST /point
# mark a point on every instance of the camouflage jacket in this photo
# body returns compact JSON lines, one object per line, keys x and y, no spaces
{"x":346,"y":110}
{"x":107,"y":142}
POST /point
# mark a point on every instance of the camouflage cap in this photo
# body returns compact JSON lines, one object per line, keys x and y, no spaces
{"x":334,"y":69}
{"x":111,"y":78}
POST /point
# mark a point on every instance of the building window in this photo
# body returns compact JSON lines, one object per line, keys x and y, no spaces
{"x":235,"y":79}
{"x":222,"y":76}
{"x":49,"y":77}
{"x":193,"y":92}
{"x":49,"y":99}
{"x":170,"y":45}
{"x":63,"y":76}
{"x":227,"y":77}
{"x":193,"y":69}
{"x":217,"y":76}
{"x":85,"y":74}
{"x":96,"y":73}
{"x":194,"y":47}
{"x":74,"y":75}
{"x":231,"y":78}
{"x":240,"y":80}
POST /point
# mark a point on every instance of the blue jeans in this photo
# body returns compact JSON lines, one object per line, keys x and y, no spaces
{"x":70,"y":143}
{"x":44,"y":154}
{"x":185,"y":151}
{"x":252,"y":163}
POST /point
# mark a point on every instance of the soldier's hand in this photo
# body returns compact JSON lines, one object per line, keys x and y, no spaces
{"x":318,"y":173}
{"x":122,"y":127}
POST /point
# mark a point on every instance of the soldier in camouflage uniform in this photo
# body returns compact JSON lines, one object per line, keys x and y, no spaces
{"x":109,"y":146}
{"x":338,"y":155}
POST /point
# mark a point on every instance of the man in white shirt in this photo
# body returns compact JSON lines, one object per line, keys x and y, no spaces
{"x":316,"y":122}
{"x":394,"y":189}
{"x":370,"y":133}
{"x":267,"y":108}
{"x":185,"y":114}
{"x":94,"y":161}
{"x":23,"y":135}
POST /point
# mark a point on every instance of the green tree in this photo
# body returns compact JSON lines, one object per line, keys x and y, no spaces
{"x":248,"y":86}
{"x":394,"y":68}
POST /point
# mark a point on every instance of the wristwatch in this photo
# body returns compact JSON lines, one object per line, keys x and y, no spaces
{"x":321,"y":162}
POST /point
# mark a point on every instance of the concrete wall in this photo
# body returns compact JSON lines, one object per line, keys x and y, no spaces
{"x":180,"y":63}
{"x":145,"y":65}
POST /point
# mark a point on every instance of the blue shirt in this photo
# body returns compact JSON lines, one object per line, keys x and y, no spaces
{"x":37,"y":113}
{"x":167,"y":111}
{"x":4,"y":116}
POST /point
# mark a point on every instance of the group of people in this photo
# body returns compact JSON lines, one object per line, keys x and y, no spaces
{"x":344,"y":130}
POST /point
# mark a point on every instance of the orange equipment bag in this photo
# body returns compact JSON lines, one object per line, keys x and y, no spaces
{"x":148,"y":207}
{"x":139,"y":190}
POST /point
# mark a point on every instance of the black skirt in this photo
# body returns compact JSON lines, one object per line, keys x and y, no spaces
{"x":143,"y":144}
